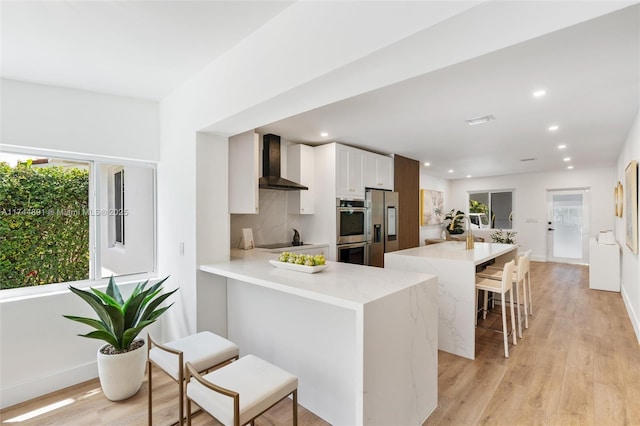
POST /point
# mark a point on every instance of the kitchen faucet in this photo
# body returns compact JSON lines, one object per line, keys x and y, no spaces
{"x":469,"y":245}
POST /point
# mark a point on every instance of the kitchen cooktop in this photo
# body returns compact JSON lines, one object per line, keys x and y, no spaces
{"x":279,"y":245}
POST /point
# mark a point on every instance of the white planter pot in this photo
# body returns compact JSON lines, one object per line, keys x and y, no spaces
{"x":121,"y":374}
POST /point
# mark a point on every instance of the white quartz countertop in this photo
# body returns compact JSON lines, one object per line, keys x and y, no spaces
{"x":456,"y":250}
{"x":341,"y":284}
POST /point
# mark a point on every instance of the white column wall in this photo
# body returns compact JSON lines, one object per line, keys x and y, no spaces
{"x":630,"y":265}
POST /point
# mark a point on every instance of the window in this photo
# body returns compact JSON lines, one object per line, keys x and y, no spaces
{"x":66,"y":219}
{"x":118,"y":206}
{"x":496,"y":205}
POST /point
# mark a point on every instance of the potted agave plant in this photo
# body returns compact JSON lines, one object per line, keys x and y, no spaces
{"x":121,"y":361}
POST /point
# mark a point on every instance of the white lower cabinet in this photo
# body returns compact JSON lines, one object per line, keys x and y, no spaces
{"x":604,"y":266}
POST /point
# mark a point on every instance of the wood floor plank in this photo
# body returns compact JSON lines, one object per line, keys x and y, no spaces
{"x":578,"y":364}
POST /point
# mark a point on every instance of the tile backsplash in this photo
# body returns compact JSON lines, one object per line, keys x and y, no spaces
{"x":273,"y":224}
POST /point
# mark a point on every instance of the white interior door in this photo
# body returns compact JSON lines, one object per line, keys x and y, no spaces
{"x":568,"y":225}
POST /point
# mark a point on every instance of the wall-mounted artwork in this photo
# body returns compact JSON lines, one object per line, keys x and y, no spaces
{"x":631,"y":205}
{"x":619,"y":198}
{"x":431,"y":207}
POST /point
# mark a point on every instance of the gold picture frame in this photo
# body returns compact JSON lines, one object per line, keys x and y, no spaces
{"x":619,"y":199}
{"x":631,"y":205}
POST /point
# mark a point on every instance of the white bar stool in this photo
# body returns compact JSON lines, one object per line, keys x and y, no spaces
{"x":519,"y":276}
{"x":503,"y":287}
{"x":204,"y":351}
{"x":238,"y":393}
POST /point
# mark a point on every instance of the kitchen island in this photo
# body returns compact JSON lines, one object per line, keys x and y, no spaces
{"x":456,"y":269}
{"x":362,"y":340}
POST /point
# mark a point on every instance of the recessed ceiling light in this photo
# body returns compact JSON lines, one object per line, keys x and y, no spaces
{"x":468,"y":176}
{"x":480,"y":120}
{"x":565,"y":159}
{"x":427,"y":164}
{"x":539,"y":93}
{"x":569,"y":167}
{"x":324,"y":134}
{"x":563,"y":146}
{"x":450,"y":170}
{"x":553,"y":128}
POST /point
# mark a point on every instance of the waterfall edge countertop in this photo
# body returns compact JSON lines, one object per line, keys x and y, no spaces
{"x":353,"y":335}
{"x":455,"y":267}
{"x":341,"y":284}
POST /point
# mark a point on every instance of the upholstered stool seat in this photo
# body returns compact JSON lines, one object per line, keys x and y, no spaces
{"x":204,"y":351}
{"x":240,"y":391}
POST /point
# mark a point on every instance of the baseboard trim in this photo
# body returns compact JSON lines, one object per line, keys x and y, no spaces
{"x":633,"y":316}
{"x":15,"y":394}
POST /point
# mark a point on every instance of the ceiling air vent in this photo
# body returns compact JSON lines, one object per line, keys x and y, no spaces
{"x":527,"y":159}
{"x":480,"y":120}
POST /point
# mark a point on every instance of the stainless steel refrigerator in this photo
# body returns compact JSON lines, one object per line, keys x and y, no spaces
{"x":382,"y":233}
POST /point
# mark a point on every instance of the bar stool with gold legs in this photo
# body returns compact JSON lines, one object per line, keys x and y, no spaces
{"x":204,"y":351}
{"x":241,"y":391}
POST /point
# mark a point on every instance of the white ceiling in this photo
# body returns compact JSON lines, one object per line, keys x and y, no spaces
{"x":142,"y":49}
{"x":590,"y":72}
{"x":146,"y":49}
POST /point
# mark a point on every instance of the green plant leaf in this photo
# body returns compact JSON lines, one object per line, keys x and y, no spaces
{"x":104,"y":336}
{"x":106,"y":299}
{"x":95,"y":303}
{"x":114,"y":291}
{"x":155,"y":314}
{"x":154,"y":304}
{"x":99,"y":325}
{"x":130,"y":334}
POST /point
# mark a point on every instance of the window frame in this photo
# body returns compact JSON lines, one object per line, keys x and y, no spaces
{"x":492,"y":191}
{"x":95,"y":279}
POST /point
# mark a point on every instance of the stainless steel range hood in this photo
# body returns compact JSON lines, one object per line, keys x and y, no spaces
{"x":271,"y":178}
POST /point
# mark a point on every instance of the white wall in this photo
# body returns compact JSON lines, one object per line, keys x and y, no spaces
{"x":39,"y":349}
{"x":630,"y":266}
{"x":137,"y":255}
{"x":530,"y":201}
{"x":53,"y":118}
{"x":435,"y":184}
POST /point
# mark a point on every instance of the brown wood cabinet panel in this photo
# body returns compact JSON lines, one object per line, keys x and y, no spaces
{"x":407,"y":185}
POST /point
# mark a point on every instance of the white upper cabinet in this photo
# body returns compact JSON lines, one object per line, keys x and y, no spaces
{"x":244,"y":173}
{"x":378,"y":171}
{"x":300,"y":169}
{"x":349,"y":172}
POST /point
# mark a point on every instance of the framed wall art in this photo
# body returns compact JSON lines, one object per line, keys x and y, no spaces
{"x":431,"y":207}
{"x":619,"y":201}
{"x":631,"y":205}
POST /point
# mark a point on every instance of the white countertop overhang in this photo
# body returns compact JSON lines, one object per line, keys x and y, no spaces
{"x":341,"y":284}
{"x":456,"y":250}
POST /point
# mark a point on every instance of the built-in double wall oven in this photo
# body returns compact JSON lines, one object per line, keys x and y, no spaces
{"x":351,"y":231}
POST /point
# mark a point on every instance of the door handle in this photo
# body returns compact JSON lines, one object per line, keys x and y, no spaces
{"x":551,"y":229}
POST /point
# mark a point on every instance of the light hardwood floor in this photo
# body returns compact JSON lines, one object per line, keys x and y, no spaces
{"x":578,"y":364}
